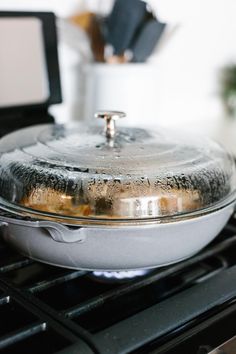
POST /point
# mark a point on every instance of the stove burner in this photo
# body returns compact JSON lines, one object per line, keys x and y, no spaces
{"x":119,"y":276}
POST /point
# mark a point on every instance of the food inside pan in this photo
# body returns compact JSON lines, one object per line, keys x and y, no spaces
{"x":132,"y":205}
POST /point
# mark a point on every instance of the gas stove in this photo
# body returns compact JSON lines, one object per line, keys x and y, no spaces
{"x":188,"y":307}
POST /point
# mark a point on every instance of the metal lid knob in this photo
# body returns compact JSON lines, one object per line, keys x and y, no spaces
{"x":110,"y":117}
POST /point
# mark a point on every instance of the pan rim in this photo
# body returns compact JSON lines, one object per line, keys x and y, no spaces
{"x":28,"y":214}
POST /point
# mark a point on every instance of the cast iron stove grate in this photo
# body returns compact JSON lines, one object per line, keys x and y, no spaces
{"x":54,"y":310}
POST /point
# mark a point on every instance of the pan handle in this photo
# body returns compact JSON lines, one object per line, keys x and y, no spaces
{"x":62,"y":233}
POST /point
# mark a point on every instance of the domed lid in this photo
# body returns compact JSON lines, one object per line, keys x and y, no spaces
{"x":83,"y":174}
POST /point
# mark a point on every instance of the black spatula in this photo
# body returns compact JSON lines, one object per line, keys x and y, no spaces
{"x":122,"y":23}
{"x":146,"y":40}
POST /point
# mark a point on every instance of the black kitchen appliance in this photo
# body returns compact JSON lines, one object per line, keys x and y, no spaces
{"x":188,"y":307}
{"x":17,"y":63}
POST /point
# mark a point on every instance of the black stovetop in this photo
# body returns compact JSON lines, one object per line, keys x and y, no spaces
{"x":183,"y":308}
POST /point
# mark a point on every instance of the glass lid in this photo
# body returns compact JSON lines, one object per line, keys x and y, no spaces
{"x":86,"y":172}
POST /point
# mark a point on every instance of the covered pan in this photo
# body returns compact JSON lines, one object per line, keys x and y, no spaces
{"x":86,"y":198}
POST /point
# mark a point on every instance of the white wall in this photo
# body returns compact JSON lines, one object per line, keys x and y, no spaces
{"x":190,"y":64}
{"x":186,"y":67}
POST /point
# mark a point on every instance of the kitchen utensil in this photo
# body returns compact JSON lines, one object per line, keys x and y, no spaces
{"x":82,"y":20}
{"x":127,"y":199}
{"x":168,"y":33}
{"x":96,"y":38}
{"x":89,"y":22}
{"x":146,"y":40}
{"x":122,"y":23}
